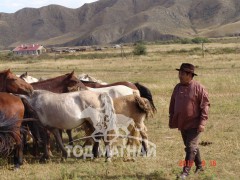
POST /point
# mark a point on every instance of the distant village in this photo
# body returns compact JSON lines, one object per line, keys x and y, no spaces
{"x":36,"y":49}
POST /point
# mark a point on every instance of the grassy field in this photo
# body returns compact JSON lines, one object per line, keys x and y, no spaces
{"x":218,"y":71}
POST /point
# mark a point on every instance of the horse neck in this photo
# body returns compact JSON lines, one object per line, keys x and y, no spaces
{"x":53,"y":85}
{"x":90,"y":84}
{"x":3,"y":84}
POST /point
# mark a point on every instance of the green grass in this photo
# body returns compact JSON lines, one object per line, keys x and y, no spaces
{"x":219,"y":73}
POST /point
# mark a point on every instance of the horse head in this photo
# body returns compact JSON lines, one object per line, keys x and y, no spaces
{"x":12,"y":84}
{"x":27,"y":78}
{"x":73,"y":83}
{"x":24,"y":75}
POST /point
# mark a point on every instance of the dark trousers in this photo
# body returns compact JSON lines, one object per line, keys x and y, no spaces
{"x":190,"y":139}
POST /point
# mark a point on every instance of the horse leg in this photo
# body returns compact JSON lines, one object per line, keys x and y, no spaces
{"x":35,"y":128}
{"x":107,"y":141}
{"x":18,"y":150}
{"x":132,"y":142}
{"x":95,"y":149}
{"x":59,"y":141}
{"x":24,"y":138}
{"x":49,"y":143}
{"x":18,"y":155}
{"x":108,"y":151}
{"x":134,"y":136}
{"x":46,"y":142}
{"x":144,"y":135}
{"x":56,"y":144}
{"x":70,"y":139}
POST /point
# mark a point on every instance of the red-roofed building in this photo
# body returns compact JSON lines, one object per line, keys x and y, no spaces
{"x":33,"y":49}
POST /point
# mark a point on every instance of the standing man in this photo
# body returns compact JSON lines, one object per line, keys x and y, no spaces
{"x":188,"y":112}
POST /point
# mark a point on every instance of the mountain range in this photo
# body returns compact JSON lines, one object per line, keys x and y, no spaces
{"x":120,"y":21}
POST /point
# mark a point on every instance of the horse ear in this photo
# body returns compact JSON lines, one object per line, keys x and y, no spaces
{"x":26,"y":73}
{"x":23,"y":75}
{"x":71,"y":74}
{"x":8,"y":71}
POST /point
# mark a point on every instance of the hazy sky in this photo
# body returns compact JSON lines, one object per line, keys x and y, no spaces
{"x":11,"y":6}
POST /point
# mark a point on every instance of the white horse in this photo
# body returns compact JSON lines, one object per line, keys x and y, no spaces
{"x":115,"y":91}
{"x":86,"y":77}
{"x":27,"y":78}
{"x":70,"y":110}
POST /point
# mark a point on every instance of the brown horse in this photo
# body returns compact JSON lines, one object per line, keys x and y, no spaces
{"x":11,"y":115}
{"x":12,"y":110}
{"x":60,"y":84}
{"x":10,"y":83}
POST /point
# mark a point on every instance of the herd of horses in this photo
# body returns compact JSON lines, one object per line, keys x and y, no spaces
{"x":65,"y":103}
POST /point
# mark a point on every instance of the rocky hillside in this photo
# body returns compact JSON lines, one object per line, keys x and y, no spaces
{"x":120,"y":21}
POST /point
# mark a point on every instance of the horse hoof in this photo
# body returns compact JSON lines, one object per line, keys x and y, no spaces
{"x":63,"y":159}
{"x":16,"y":167}
{"x":129,"y":160}
{"x":95,"y":159}
{"x":42,"y":160}
{"x":108,"y":160}
{"x":50,"y":154}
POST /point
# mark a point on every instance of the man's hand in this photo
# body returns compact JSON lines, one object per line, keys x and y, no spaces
{"x":201,"y":128}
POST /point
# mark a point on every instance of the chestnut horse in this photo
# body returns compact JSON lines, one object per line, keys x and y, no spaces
{"x":60,"y":84}
{"x":10,"y":83}
{"x":12,"y":111}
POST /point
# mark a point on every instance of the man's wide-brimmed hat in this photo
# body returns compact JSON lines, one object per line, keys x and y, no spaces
{"x":187,"y":67}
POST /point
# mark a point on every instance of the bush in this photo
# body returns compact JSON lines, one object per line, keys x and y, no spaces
{"x":140,"y":49}
{"x":186,"y":41}
{"x":199,"y":40}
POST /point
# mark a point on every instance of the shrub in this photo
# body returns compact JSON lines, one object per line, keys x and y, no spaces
{"x":140,"y":49}
{"x":199,"y":40}
{"x":186,"y":41}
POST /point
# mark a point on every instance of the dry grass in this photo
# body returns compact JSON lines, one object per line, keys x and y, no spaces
{"x":220,"y":75}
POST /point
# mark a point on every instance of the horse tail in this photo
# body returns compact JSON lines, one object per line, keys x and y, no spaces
{"x":108,"y":107}
{"x":9,"y":134}
{"x":146,"y":93}
{"x":32,"y":121}
{"x":109,"y":111}
{"x":145,"y":105}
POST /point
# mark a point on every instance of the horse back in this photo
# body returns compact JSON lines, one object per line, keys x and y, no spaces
{"x":99,"y":85}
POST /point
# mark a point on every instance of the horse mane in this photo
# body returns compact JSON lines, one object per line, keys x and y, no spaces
{"x":8,"y":134}
{"x":146,"y":93}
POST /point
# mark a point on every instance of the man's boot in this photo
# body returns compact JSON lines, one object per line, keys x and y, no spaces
{"x":198,"y":162}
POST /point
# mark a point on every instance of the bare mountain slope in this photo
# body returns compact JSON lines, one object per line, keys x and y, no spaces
{"x":117,"y":21}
